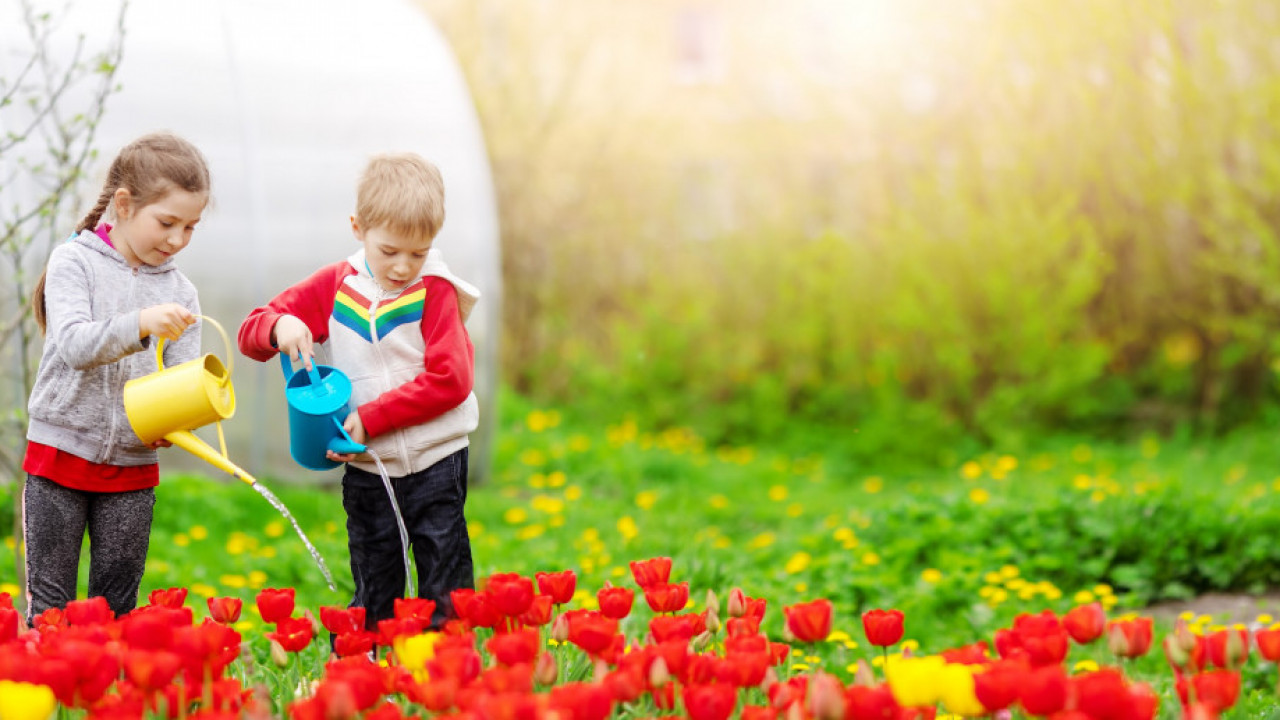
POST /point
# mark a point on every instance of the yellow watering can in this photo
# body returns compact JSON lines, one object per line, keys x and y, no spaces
{"x":171,"y":402}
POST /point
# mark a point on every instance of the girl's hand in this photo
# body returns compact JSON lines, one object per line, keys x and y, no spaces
{"x":166,"y":321}
{"x":159,"y":444}
{"x":292,"y":336}
{"x":354,"y":428}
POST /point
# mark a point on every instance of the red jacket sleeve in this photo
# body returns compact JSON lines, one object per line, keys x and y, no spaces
{"x":310,"y":301}
{"x":448,"y":368}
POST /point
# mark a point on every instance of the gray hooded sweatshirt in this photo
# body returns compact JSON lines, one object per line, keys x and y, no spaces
{"x":92,"y":301}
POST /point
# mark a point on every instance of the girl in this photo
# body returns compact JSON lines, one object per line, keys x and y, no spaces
{"x":105,"y":294}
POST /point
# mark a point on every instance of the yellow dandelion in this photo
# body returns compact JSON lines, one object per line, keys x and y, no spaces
{"x":1084,"y":666}
{"x":801,"y":588}
{"x":1082,"y":482}
{"x":233,"y":581}
{"x":979,"y":496}
{"x":763,"y":540}
{"x":181,"y":540}
{"x":993,"y":578}
{"x":529,"y":532}
{"x":274,"y":529}
{"x":1081,"y":453}
{"x":515,"y":515}
{"x":722,"y":543}
{"x":573,"y":492}
{"x":909,"y":646}
{"x":798,"y":563}
{"x":627,"y":528}
{"x":10,"y":588}
{"x":870,"y":558}
{"x":795,"y":510}
{"x":778,"y":493}
{"x":1009,"y":571}
{"x":931,"y":575}
{"x":537,"y":481}
{"x":1102,"y":589}
{"x":1084,"y":597}
{"x":998,"y":596}
{"x":646,"y":499}
{"x":475,"y":529}
{"x":198,"y":532}
{"x":1264,"y":619}
{"x":579,"y":443}
{"x":971,"y":470}
{"x":266,"y":552}
{"x":203,"y":590}
{"x":718,"y":501}
{"x":257,"y":579}
{"x":556,"y":478}
{"x":873,"y":484}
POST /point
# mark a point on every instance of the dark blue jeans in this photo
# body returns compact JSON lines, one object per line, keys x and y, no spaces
{"x":431,"y":502}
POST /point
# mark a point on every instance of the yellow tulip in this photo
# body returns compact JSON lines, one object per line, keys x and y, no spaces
{"x":914,"y":680}
{"x":956,"y":688}
{"x":415,"y":651}
{"x":24,"y":701}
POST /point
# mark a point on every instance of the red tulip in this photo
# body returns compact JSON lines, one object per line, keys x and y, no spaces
{"x":1044,"y":690}
{"x":6,"y":601}
{"x":580,"y":701}
{"x":744,"y":669}
{"x":353,"y":643}
{"x":342,"y":620}
{"x":293,"y":634}
{"x":667,"y":598}
{"x":478,"y":609}
{"x":1217,"y":689}
{"x":709,"y":702}
{"x":624,"y":685}
{"x":93,"y":611}
{"x":1227,"y":648}
{"x":539,"y":613}
{"x":511,"y":593}
{"x":615,"y":602}
{"x":883,"y":627}
{"x":559,"y":585}
{"x":873,"y":702}
{"x":591,"y":631}
{"x":1100,"y":693}
{"x":150,"y":670}
{"x":675,"y":627}
{"x":1268,"y":643}
{"x":513,"y":648}
{"x":8,"y":624}
{"x":1085,"y":623}
{"x":420,"y":608}
{"x":225,"y":610}
{"x":171,"y":597}
{"x":997,"y":687}
{"x":809,"y":621}
{"x":275,"y":604}
{"x":1042,"y":637}
{"x":1129,"y":638}
{"x":655,"y":571}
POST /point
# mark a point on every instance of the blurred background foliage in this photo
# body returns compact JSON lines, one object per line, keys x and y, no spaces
{"x":919,"y":221}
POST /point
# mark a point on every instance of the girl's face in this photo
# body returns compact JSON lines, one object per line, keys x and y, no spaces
{"x":153,"y":233}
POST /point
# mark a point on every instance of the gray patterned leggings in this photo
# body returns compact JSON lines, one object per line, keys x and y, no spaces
{"x":54,"y":521}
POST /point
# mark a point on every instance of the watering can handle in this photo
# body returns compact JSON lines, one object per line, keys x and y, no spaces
{"x":226,"y":340}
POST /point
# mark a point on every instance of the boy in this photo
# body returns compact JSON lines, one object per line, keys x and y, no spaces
{"x":392,"y":317}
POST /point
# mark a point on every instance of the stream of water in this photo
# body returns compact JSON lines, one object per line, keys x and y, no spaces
{"x":412,"y":587}
{"x":278,"y":505}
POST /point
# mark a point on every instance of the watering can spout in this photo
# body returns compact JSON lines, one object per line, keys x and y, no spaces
{"x":194,"y":445}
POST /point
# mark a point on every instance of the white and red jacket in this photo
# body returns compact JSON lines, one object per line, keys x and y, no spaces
{"x":408,"y":355}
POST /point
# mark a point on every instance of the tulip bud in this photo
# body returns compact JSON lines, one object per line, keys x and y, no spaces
{"x":1173,"y":650}
{"x":770,"y":678}
{"x":787,"y":635}
{"x":278,"y":655}
{"x":659,"y":673}
{"x":1237,"y":650}
{"x":1117,"y":643}
{"x":545,"y":670}
{"x":713,"y":621}
{"x":826,"y":697}
{"x":864,"y":676}
{"x":795,"y":711}
{"x":601,"y":669}
{"x":713,"y":602}
{"x":737,"y":603}
{"x":1186,"y":639}
{"x":560,"y":628}
{"x":700,"y":641}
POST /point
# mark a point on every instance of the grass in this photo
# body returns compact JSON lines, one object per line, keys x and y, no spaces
{"x":962,"y":550}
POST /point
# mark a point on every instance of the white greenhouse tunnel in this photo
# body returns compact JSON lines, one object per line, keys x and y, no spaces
{"x":288,"y":99}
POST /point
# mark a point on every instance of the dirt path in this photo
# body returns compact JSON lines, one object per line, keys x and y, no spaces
{"x":1225,"y":608}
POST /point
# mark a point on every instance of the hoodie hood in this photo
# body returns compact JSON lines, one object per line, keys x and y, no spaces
{"x":90,"y":240}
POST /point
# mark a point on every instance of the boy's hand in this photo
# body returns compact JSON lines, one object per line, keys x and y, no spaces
{"x":292,"y":336}
{"x":354,"y":428}
{"x":166,"y":321}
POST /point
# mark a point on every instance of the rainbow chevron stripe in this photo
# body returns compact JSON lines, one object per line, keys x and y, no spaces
{"x":352,"y":309}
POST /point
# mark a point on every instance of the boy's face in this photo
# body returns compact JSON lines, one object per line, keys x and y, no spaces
{"x":395,"y":260}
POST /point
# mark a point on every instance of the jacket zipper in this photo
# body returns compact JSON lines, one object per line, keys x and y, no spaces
{"x":401,"y":448}
{"x":116,"y":374}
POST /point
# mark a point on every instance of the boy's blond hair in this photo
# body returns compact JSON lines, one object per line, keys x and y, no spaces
{"x":403,"y":193}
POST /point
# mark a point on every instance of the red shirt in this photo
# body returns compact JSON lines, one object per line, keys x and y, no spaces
{"x":79,"y":474}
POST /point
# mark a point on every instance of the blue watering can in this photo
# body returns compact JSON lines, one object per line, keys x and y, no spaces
{"x":317,"y":406}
